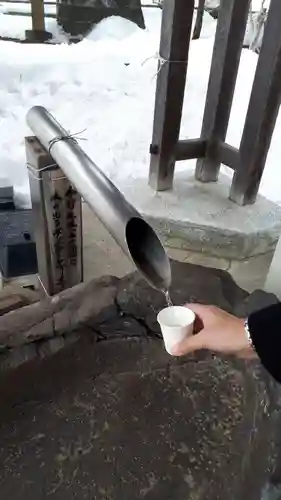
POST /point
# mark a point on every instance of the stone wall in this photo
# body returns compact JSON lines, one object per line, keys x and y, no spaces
{"x":113,"y":416}
{"x":43,"y":327}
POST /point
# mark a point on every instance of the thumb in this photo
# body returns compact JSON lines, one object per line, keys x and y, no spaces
{"x":190,"y":344}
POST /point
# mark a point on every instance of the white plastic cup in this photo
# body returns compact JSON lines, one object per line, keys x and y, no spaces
{"x":177,"y":323}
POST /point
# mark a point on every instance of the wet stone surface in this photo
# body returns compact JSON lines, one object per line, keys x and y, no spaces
{"x":114,"y":417}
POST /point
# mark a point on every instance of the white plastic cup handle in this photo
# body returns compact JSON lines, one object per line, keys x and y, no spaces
{"x":176,"y":324}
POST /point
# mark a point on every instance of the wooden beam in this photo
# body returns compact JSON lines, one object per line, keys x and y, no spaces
{"x":229,"y":155}
{"x":17,"y":40}
{"x":174,"y":46}
{"x":192,"y":148}
{"x":196,"y":148}
{"x":262,"y":112}
{"x":27,"y":14}
{"x":233,"y":15}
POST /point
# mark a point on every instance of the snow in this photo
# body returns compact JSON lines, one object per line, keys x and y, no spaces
{"x":15,"y":27}
{"x":103,"y":85}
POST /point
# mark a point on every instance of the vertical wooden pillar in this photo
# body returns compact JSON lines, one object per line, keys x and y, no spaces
{"x":38,"y":34}
{"x":38,"y":15}
{"x":174,"y":46}
{"x":57,"y":215}
{"x":199,"y":20}
{"x":262,"y":112}
{"x":229,"y":38}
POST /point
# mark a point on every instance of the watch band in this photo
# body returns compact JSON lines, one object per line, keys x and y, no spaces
{"x":248,"y":334}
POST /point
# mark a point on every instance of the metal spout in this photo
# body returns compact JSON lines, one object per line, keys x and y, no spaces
{"x":135,"y":236}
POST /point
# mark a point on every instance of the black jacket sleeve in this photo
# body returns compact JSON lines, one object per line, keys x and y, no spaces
{"x":265,"y":331}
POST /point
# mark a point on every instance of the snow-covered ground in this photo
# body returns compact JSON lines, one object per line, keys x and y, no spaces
{"x":15,"y":26}
{"x":102,"y":85}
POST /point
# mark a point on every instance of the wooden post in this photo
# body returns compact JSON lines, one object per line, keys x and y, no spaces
{"x":38,"y":34}
{"x":199,"y":20}
{"x":57,"y":213}
{"x":262,"y":112}
{"x":229,"y":38}
{"x":38,"y":15}
{"x":174,"y":46}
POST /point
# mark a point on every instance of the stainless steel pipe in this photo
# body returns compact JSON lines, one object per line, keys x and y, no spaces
{"x":125,"y":224}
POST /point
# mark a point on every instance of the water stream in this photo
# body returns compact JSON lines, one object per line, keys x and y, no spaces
{"x":168,"y":298}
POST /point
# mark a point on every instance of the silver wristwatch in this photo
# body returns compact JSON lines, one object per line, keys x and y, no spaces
{"x":248,"y":334}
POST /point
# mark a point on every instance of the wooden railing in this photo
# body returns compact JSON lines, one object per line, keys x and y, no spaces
{"x":210,"y":149}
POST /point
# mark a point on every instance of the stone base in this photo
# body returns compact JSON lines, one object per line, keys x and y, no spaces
{"x":250,"y":274}
{"x":200,"y":218}
{"x":113,"y":416}
{"x":36,"y":36}
{"x":103,"y":256}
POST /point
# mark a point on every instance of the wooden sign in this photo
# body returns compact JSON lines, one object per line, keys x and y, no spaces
{"x":58,"y":221}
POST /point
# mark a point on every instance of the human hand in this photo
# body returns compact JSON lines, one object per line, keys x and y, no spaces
{"x":218,"y":331}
